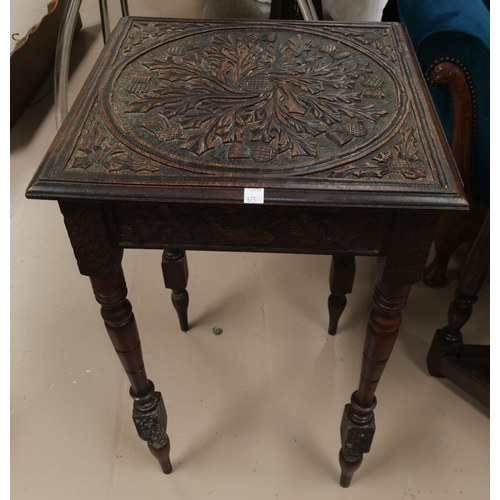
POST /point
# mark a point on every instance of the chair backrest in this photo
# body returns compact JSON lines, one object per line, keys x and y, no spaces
{"x":457,"y":29}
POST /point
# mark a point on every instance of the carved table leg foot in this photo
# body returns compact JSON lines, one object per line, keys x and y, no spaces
{"x":356,"y":433}
{"x":175,"y":275}
{"x":342,"y":272}
{"x":149,"y":413}
{"x":150,"y":420}
{"x":349,"y":464}
{"x":358,"y":422}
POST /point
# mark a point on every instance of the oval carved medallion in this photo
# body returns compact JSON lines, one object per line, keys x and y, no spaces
{"x":242,"y":102}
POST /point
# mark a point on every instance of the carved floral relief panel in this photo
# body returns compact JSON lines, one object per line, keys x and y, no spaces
{"x":327,"y":104}
{"x":320,"y":230}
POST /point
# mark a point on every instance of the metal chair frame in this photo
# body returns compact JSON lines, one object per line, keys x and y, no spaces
{"x":65,"y":37}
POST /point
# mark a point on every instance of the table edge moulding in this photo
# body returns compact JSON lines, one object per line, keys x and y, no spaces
{"x":54,"y":181}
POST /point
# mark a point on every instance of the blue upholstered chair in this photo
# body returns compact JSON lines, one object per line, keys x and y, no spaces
{"x":451,"y":40}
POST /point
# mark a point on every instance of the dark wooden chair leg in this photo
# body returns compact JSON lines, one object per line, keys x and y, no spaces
{"x":358,"y":423}
{"x":453,"y":230}
{"x":435,"y":273}
{"x":175,"y":274}
{"x":342,"y":272}
{"x":466,"y":365}
{"x":149,"y":414}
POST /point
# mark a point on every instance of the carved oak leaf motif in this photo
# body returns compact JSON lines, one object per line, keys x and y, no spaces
{"x":375,"y":38}
{"x":98,"y":151}
{"x":401,"y":162}
{"x":143,"y":30}
{"x":282,"y":93}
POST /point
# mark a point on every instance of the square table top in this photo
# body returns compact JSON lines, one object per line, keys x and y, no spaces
{"x":316,"y":113}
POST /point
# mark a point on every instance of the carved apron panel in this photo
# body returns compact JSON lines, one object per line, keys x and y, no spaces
{"x":267,"y":228}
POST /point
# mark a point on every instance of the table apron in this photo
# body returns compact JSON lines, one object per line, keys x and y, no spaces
{"x":254,"y":228}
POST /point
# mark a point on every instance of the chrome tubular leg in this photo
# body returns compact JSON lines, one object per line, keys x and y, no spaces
{"x":103,"y":7}
{"x":307,"y":9}
{"x":124,"y":4}
{"x":63,"y":52}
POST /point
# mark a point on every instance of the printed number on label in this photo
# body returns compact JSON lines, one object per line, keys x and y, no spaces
{"x":253,"y":195}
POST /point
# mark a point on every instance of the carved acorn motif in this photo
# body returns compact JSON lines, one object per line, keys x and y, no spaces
{"x":263,"y":152}
{"x":176,"y":50}
{"x":260,"y":152}
{"x":168,"y":133}
{"x":139,"y":84}
{"x":328,"y":47}
{"x":399,"y":164}
{"x":373,"y":87}
{"x":357,"y":129}
{"x":371,"y":81}
{"x":162,"y":130}
{"x":250,"y":37}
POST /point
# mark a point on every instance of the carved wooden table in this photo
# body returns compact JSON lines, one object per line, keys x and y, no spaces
{"x":177,"y":118}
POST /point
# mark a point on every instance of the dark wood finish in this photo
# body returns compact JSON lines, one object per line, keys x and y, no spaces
{"x":348,"y":464}
{"x":468,"y":366}
{"x":177,"y":117}
{"x":255,"y":227}
{"x":98,"y":259}
{"x":358,"y":423}
{"x":175,"y":274}
{"x":342,"y":272}
{"x":32,"y":60}
{"x":357,"y":129}
{"x":408,"y":247}
{"x":149,"y":413}
{"x":453,"y":229}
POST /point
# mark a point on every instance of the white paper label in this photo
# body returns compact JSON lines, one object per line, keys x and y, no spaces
{"x":253,"y":195}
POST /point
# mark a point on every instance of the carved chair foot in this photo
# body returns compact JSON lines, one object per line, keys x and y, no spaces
{"x":435,"y":276}
{"x":349,"y":464}
{"x":443,"y":344}
{"x":435,"y":272}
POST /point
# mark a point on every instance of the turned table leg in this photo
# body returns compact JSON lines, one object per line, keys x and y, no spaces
{"x":402,"y":265}
{"x":149,"y":414}
{"x":358,"y":423}
{"x":175,"y":274}
{"x":342,"y":272}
